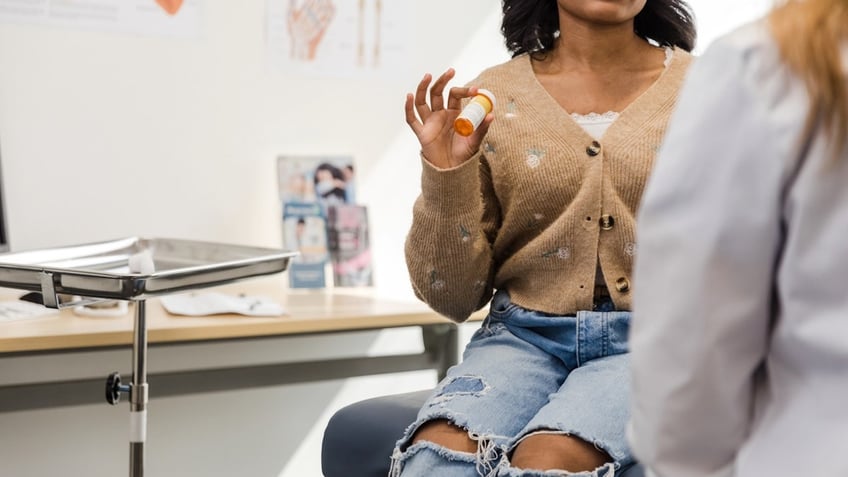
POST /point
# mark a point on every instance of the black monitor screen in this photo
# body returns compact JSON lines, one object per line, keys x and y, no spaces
{"x":4,"y":237}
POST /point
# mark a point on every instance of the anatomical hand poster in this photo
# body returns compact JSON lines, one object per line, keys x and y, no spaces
{"x":339,"y":38}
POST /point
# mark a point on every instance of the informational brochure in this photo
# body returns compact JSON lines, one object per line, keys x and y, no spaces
{"x":349,"y":245}
{"x":305,"y":230}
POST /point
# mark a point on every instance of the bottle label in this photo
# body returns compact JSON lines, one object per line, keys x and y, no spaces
{"x":474,"y":112}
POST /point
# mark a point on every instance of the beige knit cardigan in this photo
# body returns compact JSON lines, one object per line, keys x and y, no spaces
{"x":541,"y":204}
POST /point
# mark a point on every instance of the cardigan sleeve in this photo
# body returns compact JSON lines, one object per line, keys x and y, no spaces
{"x":709,"y":234}
{"x":448,"y":248}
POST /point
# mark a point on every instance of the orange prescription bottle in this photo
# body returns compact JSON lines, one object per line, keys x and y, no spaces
{"x":474,"y":113}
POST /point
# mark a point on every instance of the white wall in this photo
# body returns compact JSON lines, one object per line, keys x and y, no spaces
{"x":717,"y":17}
{"x":110,"y":135}
{"x":106,"y":135}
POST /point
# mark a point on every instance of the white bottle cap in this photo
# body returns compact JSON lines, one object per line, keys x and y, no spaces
{"x":488,"y":94}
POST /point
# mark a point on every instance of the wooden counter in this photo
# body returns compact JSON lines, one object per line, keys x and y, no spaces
{"x":308,"y":311}
{"x":58,"y":359}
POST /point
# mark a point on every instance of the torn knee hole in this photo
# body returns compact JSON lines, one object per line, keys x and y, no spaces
{"x":549,"y":450}
{"x":446,"y":434}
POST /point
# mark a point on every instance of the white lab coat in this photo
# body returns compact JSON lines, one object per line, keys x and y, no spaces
{"x":740,"y":332}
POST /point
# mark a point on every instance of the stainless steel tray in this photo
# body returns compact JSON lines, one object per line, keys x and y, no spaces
{"x":102,"y":270}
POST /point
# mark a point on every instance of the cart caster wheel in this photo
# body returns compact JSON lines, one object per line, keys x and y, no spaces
{"x":114,"y":388}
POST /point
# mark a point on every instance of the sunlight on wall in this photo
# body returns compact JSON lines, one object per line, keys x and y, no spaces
{"x":717,"y":17}
{"x":394,"y":184}
{"x":390,"y":191}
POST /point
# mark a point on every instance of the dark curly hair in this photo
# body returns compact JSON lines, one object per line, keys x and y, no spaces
{"x":532,"y":26}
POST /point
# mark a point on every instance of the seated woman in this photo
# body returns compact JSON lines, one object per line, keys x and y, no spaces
{"x":534,"y":212}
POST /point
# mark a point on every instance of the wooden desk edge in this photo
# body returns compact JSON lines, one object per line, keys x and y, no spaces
{"x":231,"y":327}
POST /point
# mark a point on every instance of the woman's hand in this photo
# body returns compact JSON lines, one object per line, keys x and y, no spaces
{"x":433,"y":125}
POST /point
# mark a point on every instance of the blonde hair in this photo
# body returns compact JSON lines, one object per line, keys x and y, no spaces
{"x":810,"y":35}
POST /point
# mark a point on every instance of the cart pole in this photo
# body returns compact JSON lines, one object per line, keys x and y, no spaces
{"x":138,"y":393}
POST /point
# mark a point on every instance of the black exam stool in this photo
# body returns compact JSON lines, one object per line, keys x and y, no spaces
{"x":360,"y":437}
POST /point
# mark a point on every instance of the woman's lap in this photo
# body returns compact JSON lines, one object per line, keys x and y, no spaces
{"x":524,"y":372}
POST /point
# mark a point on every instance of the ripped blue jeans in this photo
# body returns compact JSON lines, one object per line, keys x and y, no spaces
{"x":525,"y":372}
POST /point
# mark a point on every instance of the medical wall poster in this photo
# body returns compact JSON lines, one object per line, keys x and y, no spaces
{"x":339,"y":38}
{"x":166,"y":18}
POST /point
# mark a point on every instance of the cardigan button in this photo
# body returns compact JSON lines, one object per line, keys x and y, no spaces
{"x":594,"y":149}
{"x":622,"y":285}
{"x":607,"y":222}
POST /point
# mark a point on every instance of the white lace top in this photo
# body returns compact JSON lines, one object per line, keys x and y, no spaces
{"x":596,"y":124}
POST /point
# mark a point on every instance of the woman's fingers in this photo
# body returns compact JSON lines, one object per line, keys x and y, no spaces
{"x":480,"y":132}
{"x":456,"y":95}
{"x":437,"y":91}
{"x":428,"y":113}
{"x":421,"y":97}
{"x":410,"y":114}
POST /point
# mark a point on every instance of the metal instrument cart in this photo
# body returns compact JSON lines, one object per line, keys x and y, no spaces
{"x":75,"y":275}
